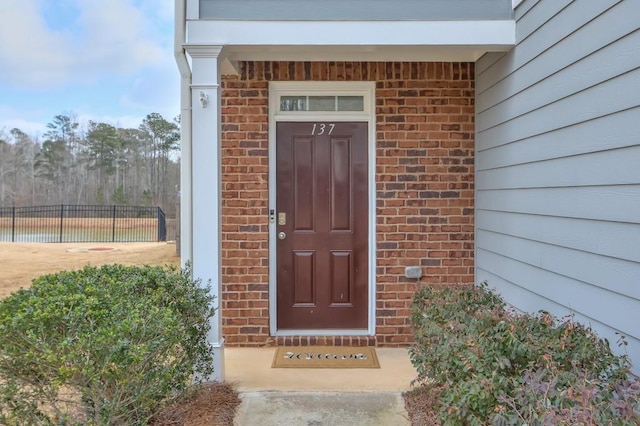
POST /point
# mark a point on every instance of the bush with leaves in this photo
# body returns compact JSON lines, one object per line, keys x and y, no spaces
{"x":101,"y":346}
{"x":482,"y":357}
{"x":586,"y":400}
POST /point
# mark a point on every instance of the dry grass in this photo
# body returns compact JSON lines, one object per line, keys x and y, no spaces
{"x":22,"y":262}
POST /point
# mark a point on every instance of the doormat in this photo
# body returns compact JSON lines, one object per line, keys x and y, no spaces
{"x":325,"y":357}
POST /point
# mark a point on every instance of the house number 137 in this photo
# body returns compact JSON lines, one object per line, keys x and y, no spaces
{"x":320,"y":129}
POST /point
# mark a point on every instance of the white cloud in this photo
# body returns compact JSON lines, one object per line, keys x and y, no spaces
{"x":158,"y":90}
{"x":10,"y":119}
{"x":119,"y":37}
{"x":31,"y":128}
{"x":30,"y":52}
{"x":108,"y":37}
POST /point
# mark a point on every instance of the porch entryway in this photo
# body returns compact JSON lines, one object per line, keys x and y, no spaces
{"x":322,"y":208}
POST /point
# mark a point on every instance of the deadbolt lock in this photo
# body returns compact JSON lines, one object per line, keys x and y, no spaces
{"x":282,"y":218}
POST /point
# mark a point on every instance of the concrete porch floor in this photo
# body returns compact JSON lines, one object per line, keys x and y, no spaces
{"x":318,"y":397}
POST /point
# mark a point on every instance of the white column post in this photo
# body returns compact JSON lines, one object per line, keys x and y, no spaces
{"x":206,"y":194}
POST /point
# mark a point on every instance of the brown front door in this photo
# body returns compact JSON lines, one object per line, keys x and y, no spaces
{"x":322,"y":221}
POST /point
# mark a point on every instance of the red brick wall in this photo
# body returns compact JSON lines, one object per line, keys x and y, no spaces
{"x":424,"y":186}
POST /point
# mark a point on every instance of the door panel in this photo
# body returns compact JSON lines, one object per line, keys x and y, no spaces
{"x":341,"y":280}
{"x":303,"y":185}
{"x":340,"y":184}
{"x":304,"y":275}
{"x":322,"y":194}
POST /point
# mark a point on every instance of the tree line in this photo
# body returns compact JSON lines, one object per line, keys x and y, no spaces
{"x":92,"y":163}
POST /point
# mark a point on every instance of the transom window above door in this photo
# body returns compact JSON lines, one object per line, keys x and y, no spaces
{"x":321,"y":103}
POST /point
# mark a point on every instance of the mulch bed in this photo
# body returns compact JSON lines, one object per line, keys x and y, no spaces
{"x":211,"y":404}
{"x":422,"y":405}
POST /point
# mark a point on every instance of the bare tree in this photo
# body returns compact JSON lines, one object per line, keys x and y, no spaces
{"x":164,"y":137}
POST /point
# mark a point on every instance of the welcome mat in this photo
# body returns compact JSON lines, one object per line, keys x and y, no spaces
{"x":325,"y":357}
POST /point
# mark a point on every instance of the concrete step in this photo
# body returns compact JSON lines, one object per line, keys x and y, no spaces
{"x":275,"y":408}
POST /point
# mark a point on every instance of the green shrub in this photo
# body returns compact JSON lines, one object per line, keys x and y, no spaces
{"x":483,"y":357}
{"x":101,"y":346}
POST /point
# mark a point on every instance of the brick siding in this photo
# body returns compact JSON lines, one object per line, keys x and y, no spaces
{"x":424,"y":188}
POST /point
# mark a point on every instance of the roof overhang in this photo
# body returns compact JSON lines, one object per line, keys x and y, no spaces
{"x":462,"y":41}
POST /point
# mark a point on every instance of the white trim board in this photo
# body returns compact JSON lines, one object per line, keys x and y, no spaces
{"x":474,"y":34}
{"x":367,"y":90}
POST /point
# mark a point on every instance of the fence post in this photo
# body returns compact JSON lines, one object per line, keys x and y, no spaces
{"x":13,"y":224}
{"x":61,"y":220}
{"x":113,"y":225}
{"x":162,"y":225}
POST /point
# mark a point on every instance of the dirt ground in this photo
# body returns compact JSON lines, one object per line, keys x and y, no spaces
{"x":20,"y":263}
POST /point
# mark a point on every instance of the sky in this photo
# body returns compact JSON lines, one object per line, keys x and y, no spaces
{"x":103,"y":60}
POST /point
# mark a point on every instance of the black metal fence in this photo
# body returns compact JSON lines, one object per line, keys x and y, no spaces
{"x":70,"y":224}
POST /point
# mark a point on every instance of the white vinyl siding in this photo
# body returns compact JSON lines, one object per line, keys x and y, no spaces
{"x":558,"y":165}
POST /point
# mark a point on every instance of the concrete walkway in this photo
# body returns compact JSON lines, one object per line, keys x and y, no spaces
{"x":319,"y":397}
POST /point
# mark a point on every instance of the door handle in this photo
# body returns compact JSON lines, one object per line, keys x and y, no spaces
{"x":282,"y":235}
